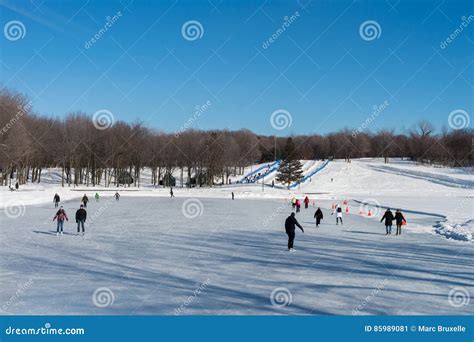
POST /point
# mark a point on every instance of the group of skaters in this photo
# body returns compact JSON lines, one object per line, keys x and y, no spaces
{"x":291,"y":222}
{"x":81,"y":213}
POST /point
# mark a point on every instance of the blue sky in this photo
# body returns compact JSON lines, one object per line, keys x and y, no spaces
{"x":319,"y":69}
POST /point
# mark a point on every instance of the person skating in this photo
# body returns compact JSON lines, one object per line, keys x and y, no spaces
{"x":232,"y":195}
{"x":85,"y":200}
{"x":117,"y":196}
{"x":318,"y":215}
{"x":306,"y":202}
{"x":338,"y":212}
{"x":17,"y":186}
{"x":290,"y":224}
{"x":81,"y":216}
{"x":298,"y":205}
{"x":171,"y":193}
{"x":388,"y":217}
{"x":97,"y":197}
{"x":60,"y":216}
{"x":293,"y":203}
{"x":399,"y":220}
{"x":56,"y":200}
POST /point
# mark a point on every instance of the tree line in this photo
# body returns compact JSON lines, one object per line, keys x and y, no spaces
{"x":119,"y":154}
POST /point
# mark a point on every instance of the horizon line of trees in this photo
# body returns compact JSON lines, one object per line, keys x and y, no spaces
{"x":118,"y":154}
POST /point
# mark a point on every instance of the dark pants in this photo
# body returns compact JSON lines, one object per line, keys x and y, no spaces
{"x":60,"y":226}
{"x":56,"y":204}
{"x":306,"y":205}
{"x":399,"y":229}
{"x":297,"y":209}
{"x":85,"y":204}
{"x":80,"y":224}
{"x":318,"y":221}
{"x":388,"y":229}
{"x":337,"y":220}
{"x":291,"y":238}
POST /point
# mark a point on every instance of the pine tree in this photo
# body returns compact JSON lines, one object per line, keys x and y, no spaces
{"x":290,"y":170}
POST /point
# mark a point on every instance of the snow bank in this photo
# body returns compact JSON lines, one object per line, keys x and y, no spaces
{"x":461,"y":232}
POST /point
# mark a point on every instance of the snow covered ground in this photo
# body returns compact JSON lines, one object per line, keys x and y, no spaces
{"x":201,"y":253}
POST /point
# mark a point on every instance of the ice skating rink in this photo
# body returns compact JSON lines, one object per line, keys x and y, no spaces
{"x":187,"y":256}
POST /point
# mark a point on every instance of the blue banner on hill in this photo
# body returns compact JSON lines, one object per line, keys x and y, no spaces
{"x":237,"y":328}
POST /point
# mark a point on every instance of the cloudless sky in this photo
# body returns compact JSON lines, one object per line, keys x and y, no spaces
{"x":319,"y":69}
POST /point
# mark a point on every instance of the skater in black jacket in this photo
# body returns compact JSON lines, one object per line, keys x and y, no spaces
{"x":81,"y":216}
{"x":290,"y":224}
{"x":318,"y":215}
{"x":56,"y":200}
{"x":399,"y":220}
{"x":388,"y":217}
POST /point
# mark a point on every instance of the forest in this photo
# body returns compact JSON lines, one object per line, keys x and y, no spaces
{"x":116,"y":155}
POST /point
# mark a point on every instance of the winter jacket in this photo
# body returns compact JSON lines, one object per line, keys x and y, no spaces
{"x":388,"y":216}
{"x":318,"y":214}
{"x":61,"y":216}
{"x":298,"y":203}
{"x":306,"y":200}
{"x":290,"y":224}
{"x":399,"y":217}
{"x":56,"y":198}
{"x":85,"y":199}
{"x":81,"y":215}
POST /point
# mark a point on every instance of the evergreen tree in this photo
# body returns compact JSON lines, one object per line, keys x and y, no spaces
{"x":290,"y":170}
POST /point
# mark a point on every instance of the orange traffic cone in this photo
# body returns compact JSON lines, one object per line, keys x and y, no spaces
{"x":369,"y":214}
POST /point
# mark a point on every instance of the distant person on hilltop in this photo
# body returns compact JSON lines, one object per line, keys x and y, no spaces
{"x":400,"y":221}
{"x":85,"y":200}
{"x":306,"y":202}
{"x":117,"y":196}
{"x":232,"y":195}
{"x":338,"y":212}
{"x":60,"y":216}
{"x":318,"y":215}
{"x":171,"y":193}
{"x":81,"y":216}
{"x":56,"y":200}
{"x":290,"y":224}
{"x":97,"y":197}
{"x":388,"y":217}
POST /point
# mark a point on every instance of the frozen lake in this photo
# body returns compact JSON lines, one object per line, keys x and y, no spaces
{"x":216,"y":256}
